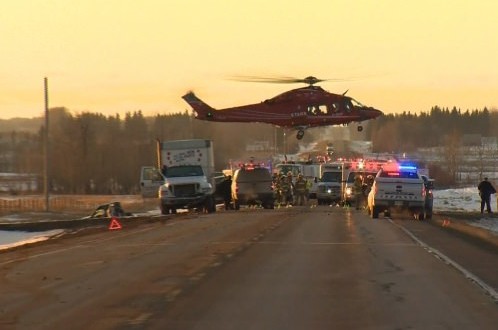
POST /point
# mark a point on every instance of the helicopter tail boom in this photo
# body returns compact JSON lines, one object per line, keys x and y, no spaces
{"x":202,"y":110}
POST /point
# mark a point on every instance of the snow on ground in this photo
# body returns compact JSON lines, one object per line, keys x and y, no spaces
{"x":458,"y":200}
{"x":467,"y":200}
{"x":10,"y":239}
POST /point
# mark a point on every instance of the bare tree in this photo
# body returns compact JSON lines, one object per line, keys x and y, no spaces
{"x":451,"y":150}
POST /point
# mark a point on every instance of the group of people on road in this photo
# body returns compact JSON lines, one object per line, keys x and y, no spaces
{"x":291,"y":192}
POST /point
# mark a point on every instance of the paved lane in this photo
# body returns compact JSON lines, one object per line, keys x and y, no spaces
{"x":333,"y":270}
{"x":297,"y":268}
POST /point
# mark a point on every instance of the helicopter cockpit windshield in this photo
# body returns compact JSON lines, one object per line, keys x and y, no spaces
{"x":357,"y":103}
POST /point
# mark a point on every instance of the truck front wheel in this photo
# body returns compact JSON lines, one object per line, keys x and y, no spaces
{"x":164,"y":209}
{"x":419,"y":215}
{"x":210,"y":205}
{"x":375,"y":212}
{"x":269,"y":204}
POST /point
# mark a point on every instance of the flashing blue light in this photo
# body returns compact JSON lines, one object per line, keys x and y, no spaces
{"x":407,"y":167}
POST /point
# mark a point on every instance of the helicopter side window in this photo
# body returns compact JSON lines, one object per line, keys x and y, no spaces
{"x":320,"y":110}
{"x":348,"y":106}
{"x":332,"y":108}
{"x":316,"y":110}
{"x":313,"y":110}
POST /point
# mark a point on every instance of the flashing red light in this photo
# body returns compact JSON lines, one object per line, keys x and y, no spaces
{"x":393,"y":173}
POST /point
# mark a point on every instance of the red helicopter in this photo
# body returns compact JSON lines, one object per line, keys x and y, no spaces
{"x":299,"y":108}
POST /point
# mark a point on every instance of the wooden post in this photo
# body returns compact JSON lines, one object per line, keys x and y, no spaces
{"x":46,"y":180}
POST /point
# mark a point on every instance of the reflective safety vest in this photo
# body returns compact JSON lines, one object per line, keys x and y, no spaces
{"x":300,"y":185}
{"x":357,"y":186}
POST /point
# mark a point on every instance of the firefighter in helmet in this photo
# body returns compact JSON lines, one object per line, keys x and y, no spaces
{"x":358,"y":191}
{"x":300,"y":190}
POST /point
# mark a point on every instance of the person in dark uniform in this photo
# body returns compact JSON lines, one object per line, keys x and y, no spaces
{"x":486,"y":189}
{"x":226,"y":192}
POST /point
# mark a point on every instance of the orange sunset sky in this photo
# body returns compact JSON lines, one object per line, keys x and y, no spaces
{"x":119,"y":56}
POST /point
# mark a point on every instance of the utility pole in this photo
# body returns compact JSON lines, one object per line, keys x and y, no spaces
{"x":45,"y":159}
{"x":158,"y":154}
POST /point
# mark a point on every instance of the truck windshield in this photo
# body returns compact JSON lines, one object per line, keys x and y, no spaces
{"x":181,"y":171}
{"x":332,"y":177}
{"x":255,"y":175}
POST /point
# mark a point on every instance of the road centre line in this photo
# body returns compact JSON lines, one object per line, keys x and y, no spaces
{"x":314,"y":243}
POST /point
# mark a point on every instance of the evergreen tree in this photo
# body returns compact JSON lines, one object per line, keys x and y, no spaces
{"x":92,"y":153}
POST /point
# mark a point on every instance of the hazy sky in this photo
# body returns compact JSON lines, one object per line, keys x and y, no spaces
{"x":118,"y":56}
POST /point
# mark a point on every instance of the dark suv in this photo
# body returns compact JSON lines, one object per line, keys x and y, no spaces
{"x":252,"y":186}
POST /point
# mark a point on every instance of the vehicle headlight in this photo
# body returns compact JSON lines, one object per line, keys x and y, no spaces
{"x":164,"y":190}
{"x":206,"y":188}
{"x":349,"y":191}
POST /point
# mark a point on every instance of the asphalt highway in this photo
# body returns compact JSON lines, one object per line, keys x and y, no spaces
{"x":295,"y":268}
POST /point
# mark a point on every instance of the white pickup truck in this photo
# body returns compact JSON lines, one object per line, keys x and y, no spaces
{"x":328,"y":189}
{"x":398,"y":187}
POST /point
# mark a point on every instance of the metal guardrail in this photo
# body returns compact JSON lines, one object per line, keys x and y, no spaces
{"x":63,"y":202}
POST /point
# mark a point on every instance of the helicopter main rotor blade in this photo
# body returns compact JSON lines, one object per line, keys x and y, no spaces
{"x":276,"y":80}
{"x":310,"y":80}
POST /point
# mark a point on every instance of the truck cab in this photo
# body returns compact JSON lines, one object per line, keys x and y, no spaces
{"x":186,"y":187}
{"x":329,"y":188}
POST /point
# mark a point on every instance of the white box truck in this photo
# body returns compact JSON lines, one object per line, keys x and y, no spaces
{"x":186,"y":167}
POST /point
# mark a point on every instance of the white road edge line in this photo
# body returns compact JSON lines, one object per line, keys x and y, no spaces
{"x":487,"y":289}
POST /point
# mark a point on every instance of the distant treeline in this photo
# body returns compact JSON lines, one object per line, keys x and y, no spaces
{"x":406,"y":132}
{"x":93,"y":153}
